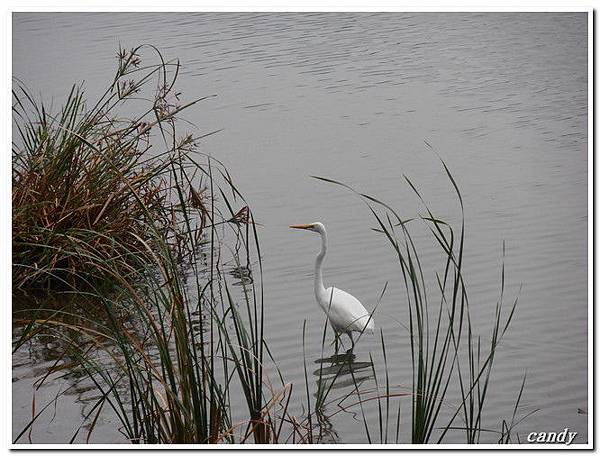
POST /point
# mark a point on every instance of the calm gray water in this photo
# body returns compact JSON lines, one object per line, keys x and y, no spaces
{"x":501,"y":97}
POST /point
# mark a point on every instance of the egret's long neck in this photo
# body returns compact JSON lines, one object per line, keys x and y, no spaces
{"x":319,"y":287}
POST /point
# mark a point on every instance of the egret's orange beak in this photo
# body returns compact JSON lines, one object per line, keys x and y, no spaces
{"x":302,"y":227}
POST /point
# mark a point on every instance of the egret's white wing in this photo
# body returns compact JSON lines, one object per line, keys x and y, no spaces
{"x":346,"y":312}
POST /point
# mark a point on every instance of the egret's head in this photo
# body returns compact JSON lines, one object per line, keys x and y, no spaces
{"x":317,"y":227}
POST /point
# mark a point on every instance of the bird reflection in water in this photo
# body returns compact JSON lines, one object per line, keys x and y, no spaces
{"x":335,"y":373}
{"x":341,"y":370}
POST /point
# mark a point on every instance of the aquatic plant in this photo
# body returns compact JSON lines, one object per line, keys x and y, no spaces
{"x":94,"y":206}
{"x":89,"y":180}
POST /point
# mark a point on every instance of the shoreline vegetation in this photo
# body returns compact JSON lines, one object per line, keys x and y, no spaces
{"x":122,"y":231}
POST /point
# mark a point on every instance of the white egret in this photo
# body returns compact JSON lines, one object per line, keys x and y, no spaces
{"x":346,"y":313}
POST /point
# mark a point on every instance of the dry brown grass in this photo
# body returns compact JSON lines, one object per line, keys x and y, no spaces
{"x":87,"y":182}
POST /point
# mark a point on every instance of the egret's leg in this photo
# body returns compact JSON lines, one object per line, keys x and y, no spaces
{"x":352,"y":341}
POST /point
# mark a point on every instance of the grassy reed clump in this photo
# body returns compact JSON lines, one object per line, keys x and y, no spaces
{"x":88,"y":180}
{"x":96,"y":203}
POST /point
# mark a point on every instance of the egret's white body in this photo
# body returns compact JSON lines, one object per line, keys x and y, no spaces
{"x":345,"y":312}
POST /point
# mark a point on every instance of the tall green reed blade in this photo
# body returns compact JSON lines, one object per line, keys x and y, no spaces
{"x":308,"y":408}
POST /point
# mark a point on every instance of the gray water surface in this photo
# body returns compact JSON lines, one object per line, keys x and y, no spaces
{"x":502,"y":98}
